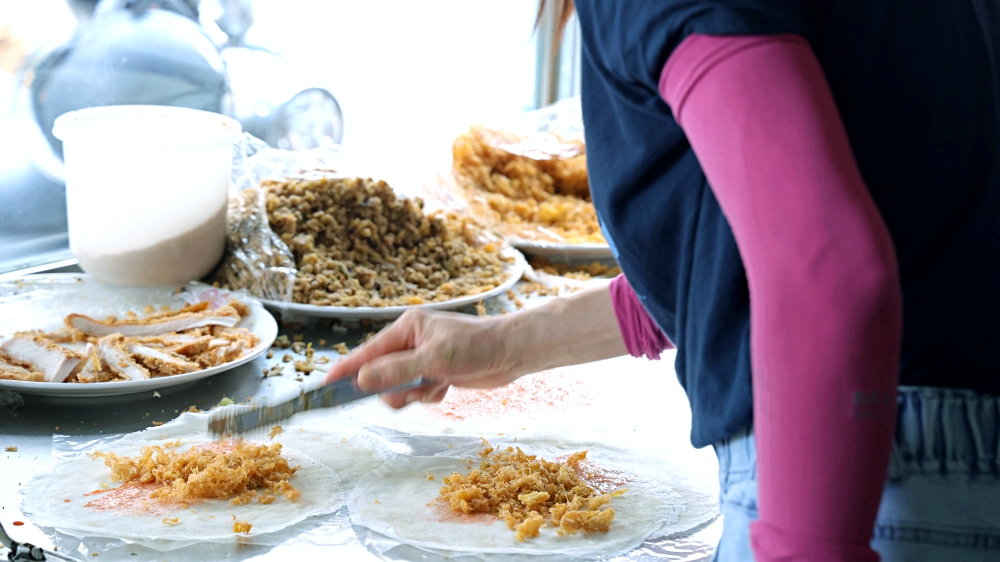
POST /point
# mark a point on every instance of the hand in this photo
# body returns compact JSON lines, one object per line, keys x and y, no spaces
{"x":474,"y":352}
{"x":447,"y":348}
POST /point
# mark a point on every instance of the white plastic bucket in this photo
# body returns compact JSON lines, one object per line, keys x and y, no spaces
{"x":146,"y":190}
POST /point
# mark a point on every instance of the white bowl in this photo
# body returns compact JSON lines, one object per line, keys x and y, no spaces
{"x":146,"y":191}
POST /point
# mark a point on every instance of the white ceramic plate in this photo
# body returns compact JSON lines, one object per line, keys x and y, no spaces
{"x":50,"y":297}
{"x":564,"y":251}
{"x":514,"y":272}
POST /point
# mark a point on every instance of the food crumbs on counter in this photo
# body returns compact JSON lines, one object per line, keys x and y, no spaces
{"x":18,"y":523}
{"x":158,"y":424}
{"x":322,"y":342}
{"x":174,"y":521}
{"x":430,"y":476}
{"x":341,"y":348}
{"x":480,"y":308}
{"x":10,"y":449}
{"x":344,"y":440}
{"x":300,"y":379}
{"x":276,"y":430}
{"x":298,"y":347}
{"x":226,"y":401}
{"x":321,"y":360}
{"x":241,"y":527}
{"x":376,"y":501}
{"x":270,"y":354}
{"x":500,"y":434}
{"x":304,"y":367}
{"x":286,"y":359}
{"x":66,"y":501}
{"x":297,"y":337}
{"x":367,"y":336}
{"x":451,"y":446}
{"x":94,"y":554}
{"x":194,"y":409}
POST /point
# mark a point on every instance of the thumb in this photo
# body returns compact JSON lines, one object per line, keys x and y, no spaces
{"x":391,"y":370}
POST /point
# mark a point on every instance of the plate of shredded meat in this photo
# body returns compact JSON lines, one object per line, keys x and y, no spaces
{"x":182,"y":490}
{"x":71,"y":335}
{"x":530,"y":188}
{"x":352,"y":247}
{"x":534,"y":497}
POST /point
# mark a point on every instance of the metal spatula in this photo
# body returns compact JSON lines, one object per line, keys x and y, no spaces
{"x":237,"y":421}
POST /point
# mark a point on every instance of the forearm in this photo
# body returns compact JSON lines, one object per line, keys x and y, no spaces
{"x":826,"y":306}
{"x":564,"y":331}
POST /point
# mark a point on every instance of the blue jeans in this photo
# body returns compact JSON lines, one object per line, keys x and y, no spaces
{"x":942,"y":497}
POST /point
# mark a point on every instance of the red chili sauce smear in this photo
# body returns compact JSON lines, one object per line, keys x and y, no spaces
{"x":546,"y":392}
{"x":18,"y":523}
{"x":442,"y":512}
{"x":133,"y":499}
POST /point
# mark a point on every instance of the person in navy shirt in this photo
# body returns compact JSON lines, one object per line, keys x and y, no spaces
{"x":804,"y":198}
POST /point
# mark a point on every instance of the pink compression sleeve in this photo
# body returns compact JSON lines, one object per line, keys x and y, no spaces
{"x":825,"y":300}
{"x":641,"y":335}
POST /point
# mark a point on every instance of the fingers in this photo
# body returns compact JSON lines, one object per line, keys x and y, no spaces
{"x":433,"y":393}
{"x":398,"y":336}
{"x":493,"y":381}
{"x":391,"y":370}
{"x":436,"y":393}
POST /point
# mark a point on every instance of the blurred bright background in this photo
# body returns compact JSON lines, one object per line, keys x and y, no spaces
{"x":408,"y":75}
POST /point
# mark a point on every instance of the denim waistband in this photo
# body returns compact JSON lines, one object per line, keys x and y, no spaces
{"x":945,"y":430}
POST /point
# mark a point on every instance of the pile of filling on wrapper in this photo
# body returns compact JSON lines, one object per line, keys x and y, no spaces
{"x":235,"y":470}
{"x":527,"y":492}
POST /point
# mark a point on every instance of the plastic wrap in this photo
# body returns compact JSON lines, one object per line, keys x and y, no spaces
{"x":525,"y":178}
{"x":256,"y":259}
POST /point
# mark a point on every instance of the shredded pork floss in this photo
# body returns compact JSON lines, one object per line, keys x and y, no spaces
{"x":527,"y":492}
{"x":237,"y":471}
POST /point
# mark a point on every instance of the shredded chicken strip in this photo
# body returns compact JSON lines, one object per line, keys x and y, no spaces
{"x":222,"y":316}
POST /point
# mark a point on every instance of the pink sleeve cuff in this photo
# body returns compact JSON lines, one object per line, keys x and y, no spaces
{"x":640,"y":333}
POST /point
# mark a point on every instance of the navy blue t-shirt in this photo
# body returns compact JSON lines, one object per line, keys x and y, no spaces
{"x":917,"y":88}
